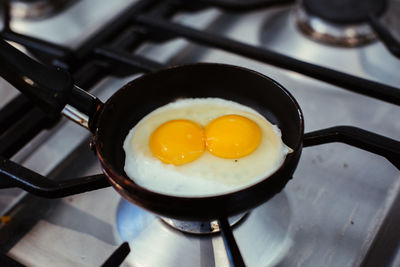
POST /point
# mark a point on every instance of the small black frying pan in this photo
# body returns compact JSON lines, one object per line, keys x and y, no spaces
{"x":54,"y":91}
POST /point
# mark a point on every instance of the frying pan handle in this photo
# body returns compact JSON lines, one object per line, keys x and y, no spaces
{"x":52,"y":89}
{"x":48,"y":87}
{"x":83,"y":108}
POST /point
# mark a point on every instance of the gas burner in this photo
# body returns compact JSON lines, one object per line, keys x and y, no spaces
{"x":35,"y":9}
{"x":264,"y":236}
{"x":339,"y":22}
{"x":206,"y":227}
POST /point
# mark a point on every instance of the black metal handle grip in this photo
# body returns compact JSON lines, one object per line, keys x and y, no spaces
{"x":48,"y":87}
{"x":357,"y":137}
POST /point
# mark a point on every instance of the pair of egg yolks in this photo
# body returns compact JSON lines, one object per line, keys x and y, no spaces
{"x":181,"y":141}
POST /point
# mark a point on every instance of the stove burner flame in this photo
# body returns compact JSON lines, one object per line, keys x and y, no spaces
{"x":339,"y":22}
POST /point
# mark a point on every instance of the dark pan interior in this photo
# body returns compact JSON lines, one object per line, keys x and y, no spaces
{"x":143,"y":95}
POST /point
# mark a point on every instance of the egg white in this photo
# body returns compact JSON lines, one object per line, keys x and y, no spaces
{"x":208,"y":175}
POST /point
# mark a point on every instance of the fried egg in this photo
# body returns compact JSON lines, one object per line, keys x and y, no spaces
{"x":198,"y":147}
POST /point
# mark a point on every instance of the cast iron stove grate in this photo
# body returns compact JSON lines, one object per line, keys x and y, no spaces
{"x":109,"y":53}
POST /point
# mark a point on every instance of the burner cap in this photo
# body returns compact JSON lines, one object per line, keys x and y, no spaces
{"x":36,"y":9}
{"x":345,"y":11}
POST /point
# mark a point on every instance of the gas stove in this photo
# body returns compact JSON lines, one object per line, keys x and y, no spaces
{"x":340,"y":209}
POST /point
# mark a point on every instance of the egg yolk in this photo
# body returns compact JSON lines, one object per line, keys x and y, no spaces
{"x":177,"y":142}
{"x":232,"y":136}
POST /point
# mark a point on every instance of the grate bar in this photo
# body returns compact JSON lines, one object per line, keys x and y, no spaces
{"x":352,"y":83}
{"x":24,"y":129}
{"x":385,"y":36}
{"x":232,"y":249}
{"x":38,"y":45}
{"x":137,"y":62}
{"x":357,"y":137}
{"x":14,"y":175}
{"x":249,"y":5}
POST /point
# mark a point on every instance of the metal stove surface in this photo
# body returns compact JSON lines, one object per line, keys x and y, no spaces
{"x":82,"y":17}
{"x":338,"y":210}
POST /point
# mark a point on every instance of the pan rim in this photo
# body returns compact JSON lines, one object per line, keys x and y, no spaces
{"x":128,"y":184}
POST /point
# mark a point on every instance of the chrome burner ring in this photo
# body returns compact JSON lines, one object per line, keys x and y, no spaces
{"x":37,"y":9}
{"x":206,"y":227}
{"x":334,"y":34}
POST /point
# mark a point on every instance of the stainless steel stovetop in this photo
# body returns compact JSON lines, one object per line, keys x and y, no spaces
{"x":340,"y":209}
